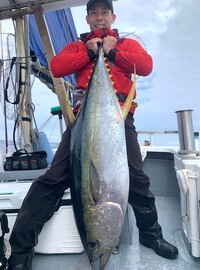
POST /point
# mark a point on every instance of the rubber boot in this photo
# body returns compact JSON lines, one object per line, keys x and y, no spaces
{"x":150,"y":232}
{"x":22,"y":262}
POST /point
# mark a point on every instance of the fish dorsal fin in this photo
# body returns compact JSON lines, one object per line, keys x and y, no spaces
{"x":94,"y":182}
{"x":129,"y":99}
{"x":69,"y":113}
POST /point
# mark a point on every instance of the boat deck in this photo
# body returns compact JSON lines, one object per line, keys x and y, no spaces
{"x":160,"y":168}
{"x":135,"y":256}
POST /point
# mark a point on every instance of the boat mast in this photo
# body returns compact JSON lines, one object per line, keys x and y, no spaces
{"x":24,"y":124}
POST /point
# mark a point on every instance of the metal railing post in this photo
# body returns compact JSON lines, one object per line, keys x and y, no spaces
{"x":185,"y":130}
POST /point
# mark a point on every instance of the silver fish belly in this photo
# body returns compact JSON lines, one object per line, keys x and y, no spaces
{"x":99,"y":167}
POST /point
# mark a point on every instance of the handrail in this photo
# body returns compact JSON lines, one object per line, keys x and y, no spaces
{"x":157,"y":132}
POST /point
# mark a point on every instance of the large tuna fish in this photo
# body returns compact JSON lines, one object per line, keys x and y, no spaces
{"x":99,"y":165}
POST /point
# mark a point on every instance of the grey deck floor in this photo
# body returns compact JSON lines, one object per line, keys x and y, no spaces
{"x":134,"y":257}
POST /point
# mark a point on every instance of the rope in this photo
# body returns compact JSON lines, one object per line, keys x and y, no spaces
{"x":52,"y":128}
{"x":45,"y":123}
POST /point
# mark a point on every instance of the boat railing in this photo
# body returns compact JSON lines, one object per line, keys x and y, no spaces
{"x":148,"y":140}
{"x":152,"y":133}
{"x":188,"y":139}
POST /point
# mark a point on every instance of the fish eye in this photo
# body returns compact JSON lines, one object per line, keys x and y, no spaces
{"x":94,"y":244}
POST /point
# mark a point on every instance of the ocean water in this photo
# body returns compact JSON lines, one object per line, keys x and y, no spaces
{"x":144,"y":139}
{"x":12,"y":149}
{"x":3,"y":145}
{"x":154,"y":139}
{"x":157,"y":139}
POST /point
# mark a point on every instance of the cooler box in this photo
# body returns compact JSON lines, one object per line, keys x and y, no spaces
{"x":59,"y":235}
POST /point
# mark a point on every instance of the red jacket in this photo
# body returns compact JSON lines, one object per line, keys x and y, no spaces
{"x":74,"y":58}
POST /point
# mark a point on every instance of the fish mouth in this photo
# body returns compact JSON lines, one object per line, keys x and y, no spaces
{"x":104,"y":259}
{"x":101,"y":262}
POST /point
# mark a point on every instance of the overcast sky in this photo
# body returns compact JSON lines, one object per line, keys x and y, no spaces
{"x":170,"y":31}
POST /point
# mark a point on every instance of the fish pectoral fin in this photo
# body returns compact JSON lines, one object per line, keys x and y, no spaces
{"x":129,"y":99}
{"x":94,"y":182}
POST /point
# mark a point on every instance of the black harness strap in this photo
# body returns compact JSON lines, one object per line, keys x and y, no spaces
{"x":121,"y":97}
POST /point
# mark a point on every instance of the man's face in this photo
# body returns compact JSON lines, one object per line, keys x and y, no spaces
{"x":100,"y":16}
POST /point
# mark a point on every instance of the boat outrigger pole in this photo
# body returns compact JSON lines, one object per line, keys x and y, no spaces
{"x":58,"y":82}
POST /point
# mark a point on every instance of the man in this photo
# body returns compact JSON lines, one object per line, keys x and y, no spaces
{"x":46,"y":192}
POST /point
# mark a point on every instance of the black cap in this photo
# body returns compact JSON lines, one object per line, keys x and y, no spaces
{"x":106,"y":2}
